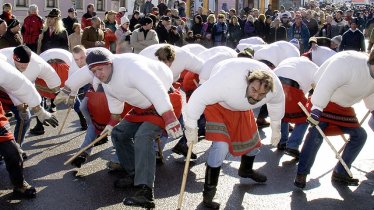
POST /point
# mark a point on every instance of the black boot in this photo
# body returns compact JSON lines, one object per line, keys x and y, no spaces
{"x":25,"y":191}
{"x":142,"y":198}
{"x":246,"y":171}
{"x":82,"y":121}
{"x":181,"y":148}
{"x":210,"y":187}
{"x":102,"y":141}
{"x":344,"y":179}
{"x":52,"y":108}
{"x":77,"y":162}
{"x":38,"y":129}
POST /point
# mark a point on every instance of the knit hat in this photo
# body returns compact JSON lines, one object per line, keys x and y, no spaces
{"x":296,"y":43}
{"x":124,"y":20}
{"x":337,"y":39}
{"x":97,"y":58}
{"x":22,"y":54}
{"x":122,"y":9}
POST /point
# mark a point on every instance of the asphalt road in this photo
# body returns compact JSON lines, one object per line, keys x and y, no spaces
{"x":91,"y":187}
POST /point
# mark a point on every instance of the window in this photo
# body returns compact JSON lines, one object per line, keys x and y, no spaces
{"x":51,"y":4}
{"x":22,"y":3}
{"x":122,"y":3}
{"x":100,"y":5}
{"x":78,"y":4}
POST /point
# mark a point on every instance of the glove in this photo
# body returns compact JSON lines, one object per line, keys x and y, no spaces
{"x":191,"y":135}
{"x":313,"y":118}
{"x":275,"y":132}
{"x":108,"y":128}
{"x":46,"y":118}
{"x":63,"y":97}
{"x":172,"y":125}
{"x":23,"y":112}
{"x":71,"y":101}
{"x":371,"y":121}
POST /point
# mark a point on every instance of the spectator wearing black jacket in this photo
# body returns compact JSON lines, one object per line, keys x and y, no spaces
{"x":260,"y":27}
{"x":135,"y":19}
{"x":353,"y":39}
{"x":277,"y":32}
{"x":162,"y":7}
{"x":166,"y":32}
{"x":234,"y":32}
{"x":197,"y":25}
{"x":70,"y":20}
{"x":54,"y":34}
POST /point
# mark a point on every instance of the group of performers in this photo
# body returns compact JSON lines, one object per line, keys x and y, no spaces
{"x":137,"y":98}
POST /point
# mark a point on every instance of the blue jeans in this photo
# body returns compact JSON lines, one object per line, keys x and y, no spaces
{"x":297,"y":135}
{"x":134,"y":146}
{"x":26,"y":125}
{"x":218,"y":152}
{"x":314,"y":140}
{"x":90,"y":137}
{"x":83,"y":108}
{"x":77,"y":105}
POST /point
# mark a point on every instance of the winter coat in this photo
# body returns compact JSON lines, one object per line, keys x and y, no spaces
{"x":31,"y":29}
{"x":249,"y":29}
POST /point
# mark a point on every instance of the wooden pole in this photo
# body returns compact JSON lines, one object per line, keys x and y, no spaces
{"x":184,"y":179}
{"x":63,"y":123}
{"x":328,"y":142}
{"x":85,"y":148}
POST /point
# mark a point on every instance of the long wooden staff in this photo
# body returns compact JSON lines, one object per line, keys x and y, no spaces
{"x":86,"y":148}
{"x":185,"y":173}
{"x":328,"y":142}
{"x":63,"y":123}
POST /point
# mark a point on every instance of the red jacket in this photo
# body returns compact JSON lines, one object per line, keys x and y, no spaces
{"x":32,"y":27}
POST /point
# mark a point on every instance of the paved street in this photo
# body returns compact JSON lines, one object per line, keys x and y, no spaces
{"x":91,"y":187}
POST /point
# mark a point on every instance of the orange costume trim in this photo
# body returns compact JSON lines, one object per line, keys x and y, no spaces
{"x":98,"y":108}
{"x":189,"y":85}
{"x":237,"y":128}
{"x":62,"y":69}
{"x":5,"y":134}
{"x":150,"y":115}
{"x":5,"y":100}
{"x":293,"y":113}
{"x":337,"y":116}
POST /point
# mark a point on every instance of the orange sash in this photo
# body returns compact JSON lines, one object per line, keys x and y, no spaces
{"x":293,"y":113}
{"x":150,"y":115}
{"x":237,"y":128}
{"x":97,"y":106}
{"x":62,"y":69}
{"x":337,"y":116}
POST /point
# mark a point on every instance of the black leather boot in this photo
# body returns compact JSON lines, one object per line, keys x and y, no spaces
{"x":246,"y":171}
{"x":210,"y":187}
{"x":38,"y":129}
{"x":142,"y":198}
{"x":82,"y":120}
